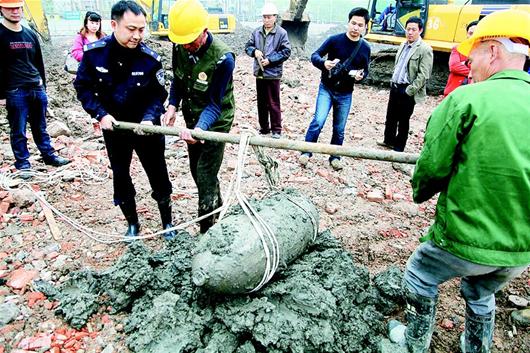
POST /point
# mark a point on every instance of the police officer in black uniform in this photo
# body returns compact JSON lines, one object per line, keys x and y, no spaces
{"x":121,"y":79}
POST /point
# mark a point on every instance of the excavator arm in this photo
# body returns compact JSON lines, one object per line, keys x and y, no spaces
{"x":296,"y":23}
{"x":34,"y":14}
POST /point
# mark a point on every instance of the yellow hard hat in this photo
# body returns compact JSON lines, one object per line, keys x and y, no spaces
{"x":187,"y":19}
{"x":11,"y":3}
{"x":499,"y":24}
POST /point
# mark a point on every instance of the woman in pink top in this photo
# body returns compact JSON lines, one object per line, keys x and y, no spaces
{"x":458,"y":68}
{"x":90,"y":32}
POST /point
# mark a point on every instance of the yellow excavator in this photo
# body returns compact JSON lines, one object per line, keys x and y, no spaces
{"x":157,"y":16}
{"x":36,"y":18}
{"x":445,"y":26}
{"x":445,"y":20}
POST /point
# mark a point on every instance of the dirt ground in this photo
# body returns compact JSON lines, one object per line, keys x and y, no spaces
{"x":378,"y":232}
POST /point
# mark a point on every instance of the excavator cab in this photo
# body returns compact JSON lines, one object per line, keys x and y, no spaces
{"x":390,"y":17}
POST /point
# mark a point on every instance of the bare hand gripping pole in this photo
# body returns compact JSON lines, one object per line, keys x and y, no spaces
{"x":285,"y":144}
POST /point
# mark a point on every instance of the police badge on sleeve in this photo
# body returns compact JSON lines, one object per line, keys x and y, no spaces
{"x":160,"y":77}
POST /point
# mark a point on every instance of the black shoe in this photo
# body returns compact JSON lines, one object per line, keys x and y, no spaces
{"x":384,"y":144}
{"x":129,"y":211}
{"x":56,"y":161}
{"x":132,"y":230}
{"x":171,"y":234}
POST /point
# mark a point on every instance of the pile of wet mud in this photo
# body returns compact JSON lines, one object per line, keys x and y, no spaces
{"x":322,"y":303}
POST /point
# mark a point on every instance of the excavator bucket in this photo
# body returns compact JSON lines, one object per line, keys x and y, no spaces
{"x":297,"y":32}
{"x":296,"y":23}
{"x":34,"y":14}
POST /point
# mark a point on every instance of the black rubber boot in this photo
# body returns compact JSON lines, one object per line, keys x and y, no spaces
{"x":478,"y":335}
{"x":164,"y":206}
{"x":420,"y":314}
{"x":129,"y":211}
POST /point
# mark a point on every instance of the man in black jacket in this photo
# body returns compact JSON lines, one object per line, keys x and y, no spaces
{"x":343,"y":60}
{"x":22,"y":84}
{"x":120,"y":78}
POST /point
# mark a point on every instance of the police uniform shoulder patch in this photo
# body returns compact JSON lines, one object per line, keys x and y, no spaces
{"x":94,"y":45}
{"x":160,"y":77}
{"x":145,"y":49}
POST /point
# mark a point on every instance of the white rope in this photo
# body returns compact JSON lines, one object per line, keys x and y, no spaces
{"x":267,"y":237}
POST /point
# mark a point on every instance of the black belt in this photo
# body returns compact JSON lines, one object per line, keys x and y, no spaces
{"x":398,"y":85}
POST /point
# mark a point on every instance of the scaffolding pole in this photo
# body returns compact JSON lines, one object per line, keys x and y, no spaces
{"x":285,"y":144}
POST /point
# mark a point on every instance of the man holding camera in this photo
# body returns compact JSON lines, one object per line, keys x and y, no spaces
{"x":343,"y":60}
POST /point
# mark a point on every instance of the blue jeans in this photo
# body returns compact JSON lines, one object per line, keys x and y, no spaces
{"x":27,"y":106}
{"x":430,"y":266}
{"x":327,"y":99}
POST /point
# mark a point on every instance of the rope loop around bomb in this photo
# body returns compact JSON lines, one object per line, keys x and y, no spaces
{"x":268,"y":238}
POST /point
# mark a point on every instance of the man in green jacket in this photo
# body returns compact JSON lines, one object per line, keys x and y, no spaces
{"x":203,"y":67}
{"x":477,"y":156}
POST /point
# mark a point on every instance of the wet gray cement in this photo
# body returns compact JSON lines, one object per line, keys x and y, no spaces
{"x":322,"y":302}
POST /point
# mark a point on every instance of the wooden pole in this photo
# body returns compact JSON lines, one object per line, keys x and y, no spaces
{"x":286,"y":144}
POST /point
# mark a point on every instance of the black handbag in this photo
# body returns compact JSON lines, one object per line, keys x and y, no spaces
{"x":340,"y":70}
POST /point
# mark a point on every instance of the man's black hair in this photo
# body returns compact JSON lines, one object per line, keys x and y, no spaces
{"x":415,"y":19}
{"x":119,"y":8}
{"x":360,"y":12}
{"x":471,"y":24}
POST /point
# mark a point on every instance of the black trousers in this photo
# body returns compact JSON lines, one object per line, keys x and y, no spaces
{"x":150,"y":150}
{"x":268,"y":94}
{"x":205,"y":162}
{"x":398,"y":113}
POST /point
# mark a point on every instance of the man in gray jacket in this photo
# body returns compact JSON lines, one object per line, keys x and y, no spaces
{"x":412,"y":69}
{"x":269,"y":45}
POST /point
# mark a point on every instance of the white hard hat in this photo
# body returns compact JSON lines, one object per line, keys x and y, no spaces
{"x":269,"y":9}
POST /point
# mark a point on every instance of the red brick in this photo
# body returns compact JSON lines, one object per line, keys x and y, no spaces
{"x":26,"y":218}
{"x":4,"y":207}
{"x":375,"y":196}
{"x":21,"y":278}
{"x":77,"y":197}
{"x":34,"y":343}
{"x":34,"y":298}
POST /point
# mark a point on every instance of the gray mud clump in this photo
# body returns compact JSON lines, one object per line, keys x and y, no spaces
{"x":322,"y":302}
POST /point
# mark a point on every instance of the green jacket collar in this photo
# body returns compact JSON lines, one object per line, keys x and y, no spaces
{"x":516,"y":74}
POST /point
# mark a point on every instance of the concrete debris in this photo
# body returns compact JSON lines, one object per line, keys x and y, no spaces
{"x":23,"y":198}
{"x":58,"y":128}
{"x":518,"y":301}
{"x":8,"y":313}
